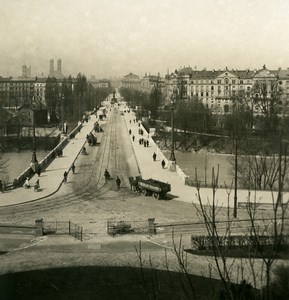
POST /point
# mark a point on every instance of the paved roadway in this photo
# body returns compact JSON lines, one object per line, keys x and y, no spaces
{"x":52,"y":178}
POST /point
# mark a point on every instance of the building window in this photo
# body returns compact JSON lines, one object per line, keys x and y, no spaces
{"x":212,"y":87}
{"x":226,"y":81}
{"x":241,"y":81}
{"x":234,"y":81}
{"x":219,"y":81}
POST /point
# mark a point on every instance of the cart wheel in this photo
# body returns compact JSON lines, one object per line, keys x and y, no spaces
{"x":157,"y":196}
{"x":144,"y":192}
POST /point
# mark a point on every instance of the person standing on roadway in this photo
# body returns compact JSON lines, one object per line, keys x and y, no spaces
{"x":118,"y":182}
{"x":65,"y":176}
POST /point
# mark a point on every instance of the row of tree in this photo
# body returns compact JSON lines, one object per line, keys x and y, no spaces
{"x":71,"y":97}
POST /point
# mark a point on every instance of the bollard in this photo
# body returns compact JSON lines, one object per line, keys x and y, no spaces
{"x":39,"y":227}
{"x":151,"y":226}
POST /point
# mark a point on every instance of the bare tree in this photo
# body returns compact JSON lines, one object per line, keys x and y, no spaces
{"x":268,"y":238}
{"x":266,"y":96}
{"x":208,"y":215}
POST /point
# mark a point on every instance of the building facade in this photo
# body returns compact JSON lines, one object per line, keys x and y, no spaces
{"x":217,"y":88}
{"x":131,"y":81}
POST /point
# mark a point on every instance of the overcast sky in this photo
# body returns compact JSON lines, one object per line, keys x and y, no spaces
{"x":114,"y":37}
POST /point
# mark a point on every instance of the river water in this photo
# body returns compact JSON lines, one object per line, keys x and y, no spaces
{"x":202,"y":164}
{"x":12,"y":164}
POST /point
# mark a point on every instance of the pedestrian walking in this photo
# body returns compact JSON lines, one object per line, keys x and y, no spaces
{"x":37,"y":186}
{"x":106,"y":175}
{"x":118,"y":182}
{"x":147,"y":143}
{"x":26,"y":183}
{"x":65,"y":176}
{"x":73,"y":168}
{"x":154,"y":156}
{"x":129,"y":131}
{"x":1,"y":186}
{"x":83,"y":151}
{"x":163,"y":163}
{"x":133,"y":137}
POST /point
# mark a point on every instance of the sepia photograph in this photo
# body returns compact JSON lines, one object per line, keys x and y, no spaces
{"x":143,"y":150}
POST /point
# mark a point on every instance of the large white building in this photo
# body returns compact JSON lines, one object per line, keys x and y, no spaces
{"x":216,"y":88}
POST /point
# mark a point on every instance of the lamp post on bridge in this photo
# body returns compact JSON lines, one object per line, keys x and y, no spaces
{"x":34,"y":162}
{"x":172,"y":156}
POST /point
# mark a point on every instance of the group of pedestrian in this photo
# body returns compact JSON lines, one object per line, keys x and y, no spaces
{"x":107,"y":177}
{"x":27,"y":184}
{"x":91,"y":139}
{"x":144,"y":142}
{"x":65,"y":174}
{"x":163,"y":163}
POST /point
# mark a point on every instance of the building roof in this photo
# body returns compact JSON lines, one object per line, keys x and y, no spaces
{"x":282,"y":74}
{"x":131,"y":76}
{"x":212,"y":74}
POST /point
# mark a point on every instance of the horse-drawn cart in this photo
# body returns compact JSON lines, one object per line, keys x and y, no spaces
{"x":149,"y":187}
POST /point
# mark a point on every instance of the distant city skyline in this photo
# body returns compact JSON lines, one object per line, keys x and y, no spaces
{"x":115,"y":37}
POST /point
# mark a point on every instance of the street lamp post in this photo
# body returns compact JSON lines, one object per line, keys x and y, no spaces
{"x":34,"y":161}
{"x":33,"y":134}
{"x":62,"y":115}
{"x":172,"y":157}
